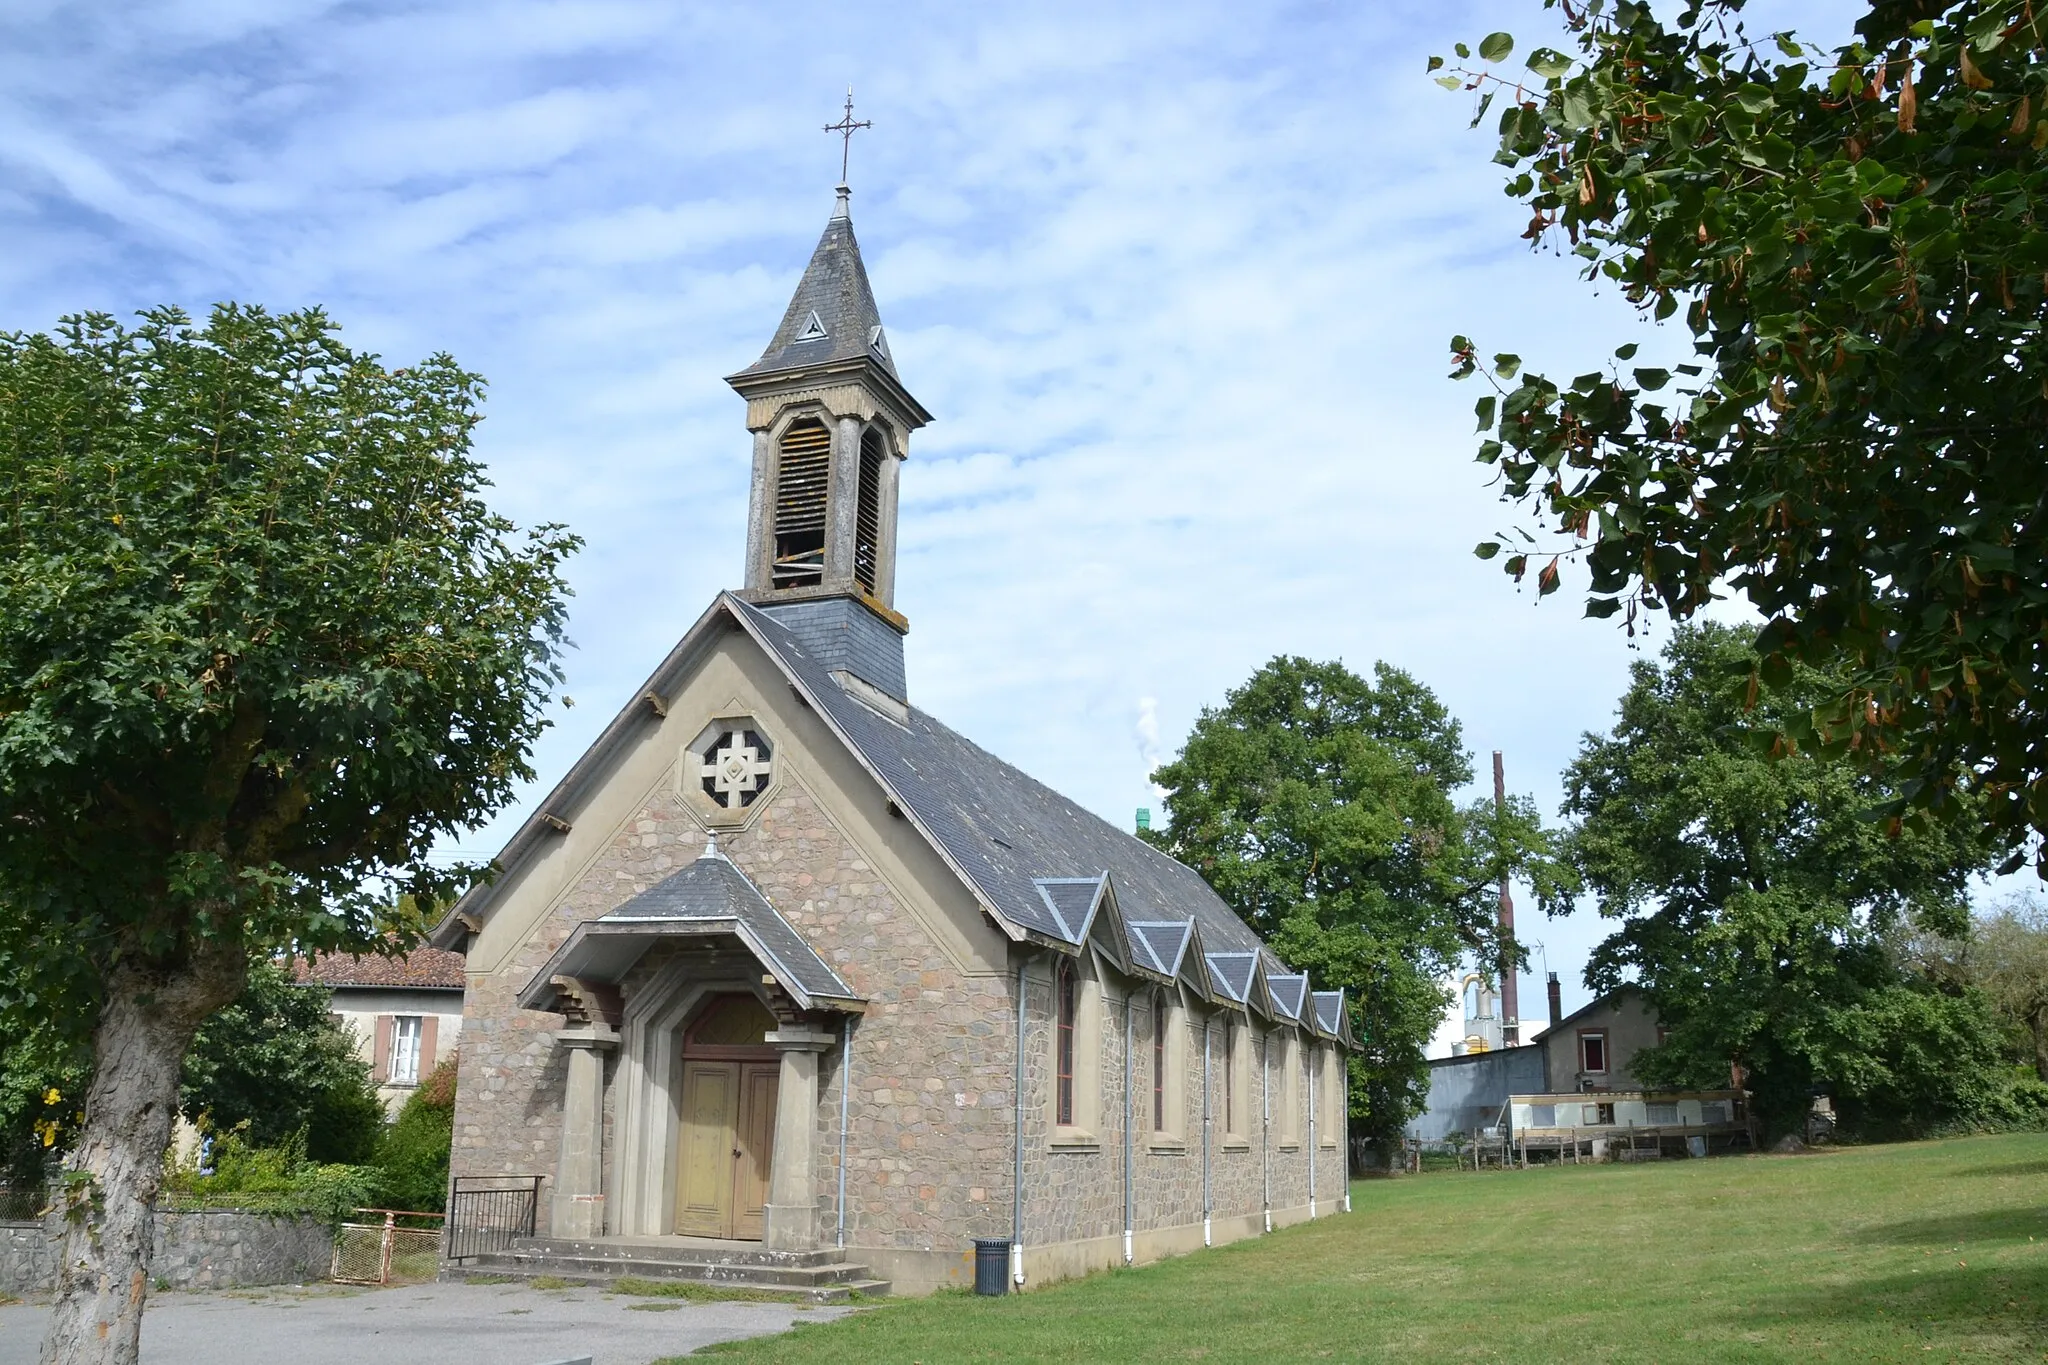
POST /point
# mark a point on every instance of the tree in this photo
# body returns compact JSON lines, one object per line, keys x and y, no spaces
{"x":2006,"y":956}
{"x":280,"y":1061}
{"x":1756,"y":895}
{"x":261,"y":643}
{"x":1853,"y":241}
{"x":1320,"y":807}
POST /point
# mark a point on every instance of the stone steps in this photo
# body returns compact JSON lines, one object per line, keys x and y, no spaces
{"x":813,"y":1276}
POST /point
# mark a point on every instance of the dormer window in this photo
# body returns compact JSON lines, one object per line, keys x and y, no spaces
{"x":803,"y":476}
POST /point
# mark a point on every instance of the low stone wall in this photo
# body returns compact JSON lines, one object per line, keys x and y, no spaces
{"x":213,"y":1249}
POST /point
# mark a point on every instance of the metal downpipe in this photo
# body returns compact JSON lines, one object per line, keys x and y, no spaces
{"x":1206,"y":1031}
{"x":1130,"y":1190}
{"x":1266,"y":1127}
{"x":845,"y":1087}
{"x":1312,"y":1078}
{"x":1017,"y":1181}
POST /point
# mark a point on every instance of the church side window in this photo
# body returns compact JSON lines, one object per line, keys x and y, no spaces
{"x":867,"y":521}
{"x":802,"y":478}
{"x":1229,"y":1075}
{"x":736,"y":765}
{"x":1066,"y":991}
{"x":1159,"y":1062}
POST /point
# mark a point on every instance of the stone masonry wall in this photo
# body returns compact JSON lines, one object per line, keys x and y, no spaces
{"x":214,"y":1249}
{"x":929,"y":1119}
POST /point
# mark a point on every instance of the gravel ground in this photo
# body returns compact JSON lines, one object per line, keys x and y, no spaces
{"x":427,"y":1324}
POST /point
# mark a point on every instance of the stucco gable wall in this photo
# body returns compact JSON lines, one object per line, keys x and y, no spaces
{"x":1631,"y":1026}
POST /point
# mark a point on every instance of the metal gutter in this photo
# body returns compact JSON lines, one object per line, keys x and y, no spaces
{"x":1208,"y":1029}
{"x":1130,"y":1190}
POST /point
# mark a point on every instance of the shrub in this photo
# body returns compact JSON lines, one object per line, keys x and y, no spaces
{"x":413,"y":1157}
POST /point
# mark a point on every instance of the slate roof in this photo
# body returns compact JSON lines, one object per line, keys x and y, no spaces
{"x":1233,"y":972}
{"x":433,"y":968}
{"x":713,"y":888}
{"x":1002,"y":829}
{"x":1329,"y":1007}
{"x":832,"y":316}
{"x":1288,"y":993}
{"x":1072,"y":902}
{"x":1164,"y":943}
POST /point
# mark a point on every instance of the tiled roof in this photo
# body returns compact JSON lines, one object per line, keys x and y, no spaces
{"x":433,"y":967}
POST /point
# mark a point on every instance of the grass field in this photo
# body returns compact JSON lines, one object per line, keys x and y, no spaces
{"x":1926,"y":1251}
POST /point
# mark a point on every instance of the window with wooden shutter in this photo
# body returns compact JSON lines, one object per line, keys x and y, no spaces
{"x":867,"y":532}
{"x":380,"y":1064}
{"x":803,"y":474}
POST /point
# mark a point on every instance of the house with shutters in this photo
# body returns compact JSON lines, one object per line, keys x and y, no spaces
{"x":405,"y":1012}
{"x":786,"y":977}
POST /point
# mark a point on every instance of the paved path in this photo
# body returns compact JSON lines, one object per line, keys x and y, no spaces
{"x":427,"y":1324}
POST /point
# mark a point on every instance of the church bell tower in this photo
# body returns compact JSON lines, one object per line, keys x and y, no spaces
{"x":831,"y":423}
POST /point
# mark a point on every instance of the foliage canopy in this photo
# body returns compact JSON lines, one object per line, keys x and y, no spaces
{"x":1853,"y":240}
{"x":261,"y":644}
{"x":1756,"y":897}
{"x":1320,"y":807}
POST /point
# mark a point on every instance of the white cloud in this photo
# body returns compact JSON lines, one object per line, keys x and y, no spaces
{"x":1176,"y":278}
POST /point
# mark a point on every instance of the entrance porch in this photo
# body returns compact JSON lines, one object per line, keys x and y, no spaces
{"x":696,"y":1020}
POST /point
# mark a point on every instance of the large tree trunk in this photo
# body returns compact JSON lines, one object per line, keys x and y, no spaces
{"x":112,"y":1178}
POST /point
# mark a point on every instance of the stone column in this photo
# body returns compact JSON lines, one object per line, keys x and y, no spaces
{"x":760,"y":515}
{"x":885,"y":532}
{"x":842,"y":503}
{"x":792,"y":1212}
{"x":578,"y":1207}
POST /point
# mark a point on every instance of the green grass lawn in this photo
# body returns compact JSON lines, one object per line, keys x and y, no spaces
{"x":1925,"y":1251}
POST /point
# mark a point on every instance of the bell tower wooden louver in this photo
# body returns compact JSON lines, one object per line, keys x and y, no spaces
{"x":831,"y":422}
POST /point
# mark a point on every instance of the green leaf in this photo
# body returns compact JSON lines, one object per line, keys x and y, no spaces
{"x":1495,"y":47}
{"x":1755,"y":99}
{"x":1462,"y":50}
{"x":1626,"y":351}
{"x":1549,"y":63}
{"x":1486,"y":549}
{"x":1653,"y":379}
{"x":1483,"y":409}
{"x":1787,"y":46}
{"x":1435,"y":63}
{"x":1507,"y":366}
{"x":1450,"y":82}
{"x":1485,"y":102}
{"x":1601,"y":608}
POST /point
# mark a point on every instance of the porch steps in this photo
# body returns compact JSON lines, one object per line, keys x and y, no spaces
{"x":814,"y":1276}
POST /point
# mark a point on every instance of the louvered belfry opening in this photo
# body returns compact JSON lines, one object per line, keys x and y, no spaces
{"x":867,"y":531}
{"x":803,"y":475}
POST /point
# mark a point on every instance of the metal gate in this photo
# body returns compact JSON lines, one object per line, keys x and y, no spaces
{"x":385,"y":1253}
{"x":486,"y":1213}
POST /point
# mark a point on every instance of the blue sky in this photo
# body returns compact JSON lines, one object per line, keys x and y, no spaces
{"x":1176,"y":278}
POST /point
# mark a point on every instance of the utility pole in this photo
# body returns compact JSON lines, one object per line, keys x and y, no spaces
{"x":1511,"y":1014}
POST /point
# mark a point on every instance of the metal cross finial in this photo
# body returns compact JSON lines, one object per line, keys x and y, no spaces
{"x":846,"y":127}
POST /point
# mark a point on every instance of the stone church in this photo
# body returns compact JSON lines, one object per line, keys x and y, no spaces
{"x":785,"y":973}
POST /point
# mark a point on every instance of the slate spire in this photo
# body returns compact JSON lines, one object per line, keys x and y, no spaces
{"x":832,"y":318}
{"x":831,"y":422}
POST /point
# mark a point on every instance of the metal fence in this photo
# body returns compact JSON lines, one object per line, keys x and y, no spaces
{"x":384,"y":1252}
{"x":486,"y":1214}
{"x":22,"y":1203}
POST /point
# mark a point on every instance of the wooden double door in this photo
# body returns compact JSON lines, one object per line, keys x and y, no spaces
{"x":728,"y":1142}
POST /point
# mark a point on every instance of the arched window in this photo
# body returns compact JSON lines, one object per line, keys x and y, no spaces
{"x":1064,"y":989}
{"x":1159,"y":1062}
{"x":1229,"y":1074}
{"x":867,"y":520}
{"x":803,"y":475}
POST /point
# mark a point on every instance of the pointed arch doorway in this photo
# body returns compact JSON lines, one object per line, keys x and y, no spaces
{"x":727,"y":1131}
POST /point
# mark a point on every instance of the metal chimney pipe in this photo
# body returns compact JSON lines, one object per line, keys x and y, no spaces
{"x":1510,"y":992}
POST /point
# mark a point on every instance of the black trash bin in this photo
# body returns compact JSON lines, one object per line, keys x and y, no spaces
{"x":992,"y":1265}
